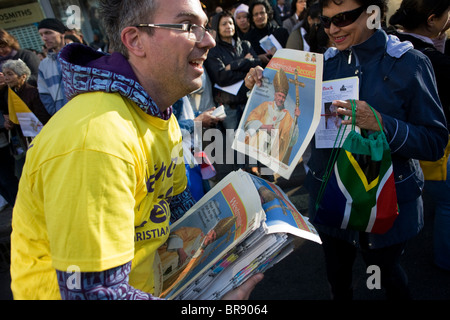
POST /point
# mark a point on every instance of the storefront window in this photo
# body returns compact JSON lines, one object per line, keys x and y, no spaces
{"x":83,"y":15}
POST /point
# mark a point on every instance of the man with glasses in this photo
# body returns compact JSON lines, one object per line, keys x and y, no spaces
{"x":105,"y":178}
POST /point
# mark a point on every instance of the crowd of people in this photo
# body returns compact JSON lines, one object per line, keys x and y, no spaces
{"x":103,"y":168}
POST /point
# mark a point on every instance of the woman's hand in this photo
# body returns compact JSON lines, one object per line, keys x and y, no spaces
{"x":254,"y":76}
{"x":364,"y":117}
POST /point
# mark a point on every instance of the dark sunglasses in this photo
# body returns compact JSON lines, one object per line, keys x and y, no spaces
{"x":342,"y":19}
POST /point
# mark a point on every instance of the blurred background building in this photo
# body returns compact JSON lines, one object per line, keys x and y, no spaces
{"x":21,"y":17}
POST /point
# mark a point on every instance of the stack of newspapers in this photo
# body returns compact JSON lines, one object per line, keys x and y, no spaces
{"x":243,"y":226}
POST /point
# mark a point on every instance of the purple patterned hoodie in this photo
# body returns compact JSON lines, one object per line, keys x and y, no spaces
{"x":86,"y":70}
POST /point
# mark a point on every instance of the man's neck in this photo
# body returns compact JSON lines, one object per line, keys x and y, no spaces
{"x":163,"y":102}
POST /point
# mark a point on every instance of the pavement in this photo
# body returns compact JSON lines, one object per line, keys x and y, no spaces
{"x":301,"y":275}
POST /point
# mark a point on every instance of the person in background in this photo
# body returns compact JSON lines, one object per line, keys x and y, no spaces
{"x":10,"y":49}
{"x":422,"y":22}
{"x":77,"y":33}
{"x":299,"y":38}
{"x":70,"y":38}
{"x":261,"y":18}
{"x":116,"y":146}
{"x":227,"y":64}
{"x":16,"y":75}
{"x":282,"y":11}
{"x":202,"y":99}
{"x":242,"y":21}
{"x":197,"y":176}
{"x":9,"y":182}
{"x":50,"y":81}
{"x":98,"y":43}
{"x":41,"y":55}
{"x":298,"y":14}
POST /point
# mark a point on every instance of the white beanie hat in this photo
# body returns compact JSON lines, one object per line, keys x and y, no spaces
{"x":241,"y":8}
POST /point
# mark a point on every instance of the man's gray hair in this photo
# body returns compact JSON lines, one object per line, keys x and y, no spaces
{"x":116,"y":15}
{"x":18,"y":67}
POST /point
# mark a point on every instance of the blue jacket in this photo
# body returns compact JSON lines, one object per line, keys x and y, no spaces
{"x":398,"y":81}
{"x":50,"y":84}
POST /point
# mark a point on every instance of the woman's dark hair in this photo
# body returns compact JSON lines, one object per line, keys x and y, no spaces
{"x":315,"y":35}
{"x":294,"y":10}
{"x":382,"y":4}
{"x":266,"y":4}
{"x":414,"y":13}
{"x":216,"y":22}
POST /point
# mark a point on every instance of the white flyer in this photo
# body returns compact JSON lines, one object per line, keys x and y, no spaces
{"x":330,"y":121}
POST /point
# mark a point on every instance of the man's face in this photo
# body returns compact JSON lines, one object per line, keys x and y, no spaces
{"x":280,"y":98}
{"x":53,"y":40}
{"x":259,"y":16}
{"x":173,"y":63}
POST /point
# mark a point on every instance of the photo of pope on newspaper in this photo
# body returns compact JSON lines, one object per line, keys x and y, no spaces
{"x":282,"y":115}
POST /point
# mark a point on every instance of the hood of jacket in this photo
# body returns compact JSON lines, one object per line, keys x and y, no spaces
{"x":87,"y":70}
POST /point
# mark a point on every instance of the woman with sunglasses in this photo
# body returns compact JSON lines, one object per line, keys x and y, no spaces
{"x":398,"y":82}
{"x":421,"y":23}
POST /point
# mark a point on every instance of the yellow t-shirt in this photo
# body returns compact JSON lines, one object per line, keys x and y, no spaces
{"x":97,"y":197}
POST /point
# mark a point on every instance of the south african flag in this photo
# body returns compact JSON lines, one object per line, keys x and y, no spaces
{"x":360,"y":193}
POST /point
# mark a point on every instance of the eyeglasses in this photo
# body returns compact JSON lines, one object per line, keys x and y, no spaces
{"x":257,"y":14}
{"x":342,"y":19}
{"x":195,"y":33}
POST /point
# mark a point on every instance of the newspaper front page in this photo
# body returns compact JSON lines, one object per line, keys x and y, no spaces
{"x":242,"y":226}
{"x":281,"y":116}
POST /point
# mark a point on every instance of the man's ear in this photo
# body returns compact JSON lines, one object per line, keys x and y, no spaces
{"x":132,"y":39}
{"x":432,"y":22}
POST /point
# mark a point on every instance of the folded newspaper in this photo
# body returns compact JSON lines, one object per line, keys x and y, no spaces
{"x":242,"y":226}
